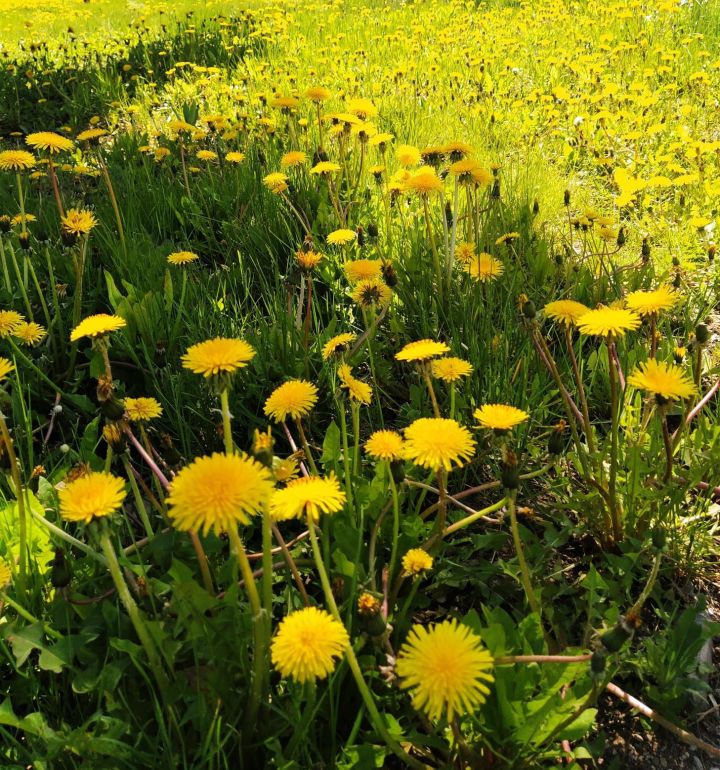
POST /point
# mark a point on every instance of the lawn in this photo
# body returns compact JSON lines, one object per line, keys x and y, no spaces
{"x":358,"y":374}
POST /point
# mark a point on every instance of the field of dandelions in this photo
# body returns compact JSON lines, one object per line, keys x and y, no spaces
{"x":358,"y":382}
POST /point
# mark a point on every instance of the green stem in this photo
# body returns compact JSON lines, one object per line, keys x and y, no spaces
{"x":113,"y":201}
{"x":355,"y":411}
{"x":227,"y":431}
{"x":452,"y":400}
{"x":181,"y":306}
{"x":614,"y":430}
{"x":139,"y":502}
{"x":367,"y":696}
{"x":132,"y":609}
{"x":637,"y":607}
{"x":40,"y":373}
{"x":6,"y":274}
{"x":524,"y":571}
{"x":425,"y":371}
{"x":41,"y":297}
{"x":21,"y":283}
{"x":5,"y":599}
{"x":396,"y":525}
{"x":306,"y":446}
{"x":433,"y":245}
{"x":20,"y":497}
{"x":346,"y":454}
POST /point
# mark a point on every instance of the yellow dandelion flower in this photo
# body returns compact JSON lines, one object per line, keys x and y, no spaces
{"x":284,"y":102}
{"x":235,"y":157}
{"x":484,"y":267}
{"x":218,"y":493}
{"x":500,"y":417}
{"x":19,"y":219}
{"x":91,"y":134}
{"x":363,"y":108}
{"x":438,"y":443}
{"x":368,"y":605}
{"x":29,"y":332}
{"x":206,"y":155}
{"x":182,"y":257}
{"x":408,"y":155}
{"x":359,"y":391}
{"x":49,"y":141}
{"x":308,"y":260}
{"x":16,"y":160}
{"x":422,"y":350}
{"x":362,"y":269}
{"x":447,"y":669}
{"x":608,"y":322}
{"x":465,"y":252}
{"x":293,"y":158}
{"x":9,"y":319}
{"x":565,"y":311}
{"x":294,"y":398}
{"x":285,"y":470}
{"x":95,"y":326}
{"x":336,"y":344}
{"x":667,"y":381}
{"x":649,"y":303}
{"x":276,"y":182}
{"x":341,"y":237}
{"x":5,"y":574}
{"x":5,"y":368}
{"x":451,"y":369}
{"x":91,"y":496}
{"x":325,"y":167}
{"x":317,"y":94}
{"x":142,"y":409}
{"x":423,"y":182}
{"x":307,"y":644}
{"x":78,"y":222}
{"x":218,"y":356}
{"x":385,"y":445}
{"x":416,"y":561}
{"x":372,"y":293}
{"x":307,"y":496}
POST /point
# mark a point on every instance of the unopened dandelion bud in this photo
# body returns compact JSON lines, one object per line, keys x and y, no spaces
{"x":24,"y":240}
{"x":112,"y":408}
{"x":702,"y":334}
{"x":372,"y":230}
{"x":621,"y":237}
{"x":509,"y":473}
{"x":645,"y":250}
{"x":675,"y":262}
{"x":597,"y":663}
{"x":389,"y":274}
{"x":61,"y":572}
{"x":113,"y":434}
{"x":360,"y":236}
{"x":536,"y":207}
{"x":712,"y":249}
{"x":369,"y":610}
{"x":677,"y":280}
{"x":566,"y":198}
{"x":495,"y":192}
{"x":616,"y":637}
{"x":529,"y":311}
{"x":262,"y":448}
{"x":659,"y":538}
{"x":5,"y":223}
{"x":397,"y":470}
{"x":556,"y":441}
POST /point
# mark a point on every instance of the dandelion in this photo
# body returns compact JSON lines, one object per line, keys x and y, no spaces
{"x":206,"y":155}
{"x":416,"y":561}
{"x":294,"y":398}
{"x":218,"y":493}
{"x":325,"y":167}
{"x":78,"y":222}
{"x":16,"y":160}
{"x":182,"y":258}
{"x":447,"y":669}
{"x":142,"y":409}
{"x":92,"y":496}
{"x":450,"y":369}
{"x":29,"y":332}
{"x":667,"y":381}
{"x":9,"y":320}
{"x":336,"y":344}
{"x":565,"y":311}
{"x":293,"y":158}
{"x":317,"y":94}
{"x":96,"y":326}
{"x":362,"y":269}
{"x":307,"y":644}
{"x":5,"y":368}
{"x":484,"y":268}
{"x":276,"y":182}
{"x":649,"y":303}
{"x":91,"y":134}
{"x":608,"y":322}
{"x":307,"y":496}
{"x":341,"y":237}
{"x":437,"y":443}
{"x":235,"y":157}
{"x":218,"y":356}
{"x":385,"y":445}
{"x":49,"y":141}
{"x":500,"y":417}
{"x":308,"y":260}
{"x":408,"y":155}
{"x":423,"y":182}
{"x":359,"y":391}
{"x":422,"y":350}
{"x":372,"y":293}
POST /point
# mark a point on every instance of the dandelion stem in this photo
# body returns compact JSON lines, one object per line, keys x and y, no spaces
{"x":6,"y":274}
{"x":20,"y":497}
{"x":524,"y":571}
{"x":306,"y":446}
{"x":614,"y":429}
{"x":425,"y":371}
{"x":396,"y":524}
{"x":139,"y":502}
{"x":5,"y":599}
{"x":21,"y":283}
{"x":433,"y":246}
{"x":227,"y":431}
{"x":367,"y":696}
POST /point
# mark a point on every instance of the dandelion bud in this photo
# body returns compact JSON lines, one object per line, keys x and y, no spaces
{"x":262,"y":448}
{"x":616,"y":637}
{"x":676,"y":262}
{"x":509,"y":473}
{"x":448,"y":214}
{"x":61,"y":572}
{"x":495,"y":192}
{"x":360,"y":236}
{"x":113,"y":434}
{"x":621,"y":237}
{"x":372,"y":230}
{"x":24,"y":240}
{"x":536,"y":207}
{"x":556,"y":442}
{"x":397,"y":470}
{"x":677,"y":280}
{"x":528,"y":310}
{"x":597,"y":663}
{"x":712,"y":249}
{"x":566,"y":198}
{"x":389,"y":274}
{"x":68,"y":238}
{"x":645,"y":250}
{"x":659,"y":538}
{"x":702,"y":334}
{"x":112,"y":408}
{"x":5,"y":223}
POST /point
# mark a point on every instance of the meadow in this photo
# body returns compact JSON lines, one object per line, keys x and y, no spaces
{"x":358,"y":384}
